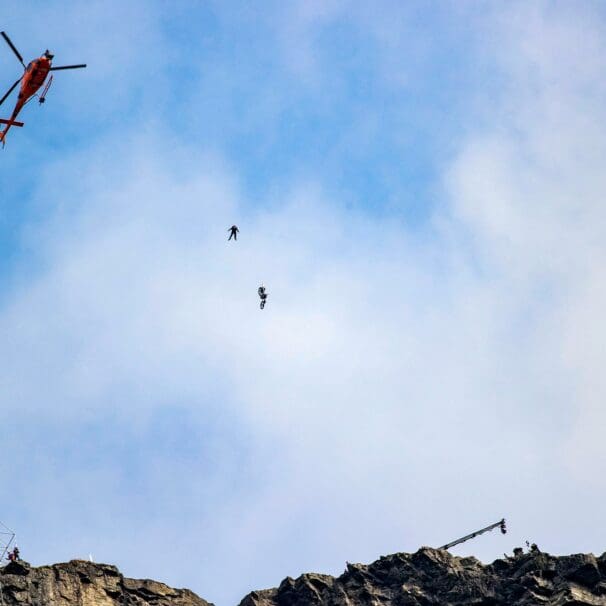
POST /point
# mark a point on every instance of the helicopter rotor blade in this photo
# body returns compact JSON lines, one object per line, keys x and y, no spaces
{"x":68,"y":67}
{"x":10,"y":90}
{"x":14,"y":49}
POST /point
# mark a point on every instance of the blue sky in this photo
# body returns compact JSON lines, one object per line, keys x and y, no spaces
{"x":421,"y":189}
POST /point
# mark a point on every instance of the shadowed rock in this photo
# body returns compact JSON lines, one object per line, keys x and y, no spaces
{"x":429,"y":577}
{"x":81,"y":583}
{"x":433,"y":577}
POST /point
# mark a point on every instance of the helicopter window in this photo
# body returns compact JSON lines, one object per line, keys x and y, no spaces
{"x":29,"y":65}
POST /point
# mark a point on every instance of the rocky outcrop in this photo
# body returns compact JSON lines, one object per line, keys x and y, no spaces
{"x":80,"y":583}
{"x":432,"y":577}
{"x":429,"y":577}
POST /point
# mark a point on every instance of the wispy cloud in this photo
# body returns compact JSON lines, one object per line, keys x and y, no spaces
{"x":404,"y":384}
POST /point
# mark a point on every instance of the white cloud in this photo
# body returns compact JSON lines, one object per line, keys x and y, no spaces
{"x":398,"y":388}
{"x":530,"y":192}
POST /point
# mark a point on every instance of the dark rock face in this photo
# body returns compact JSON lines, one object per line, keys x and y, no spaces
{"x":429,"y":577}
{"x":433,"y":577}
{"x":80,"y":583}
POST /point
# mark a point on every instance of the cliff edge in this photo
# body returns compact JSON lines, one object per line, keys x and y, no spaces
{"x":432,"y":577}
{"x":81,"y":583}
{"x":429,"y":577}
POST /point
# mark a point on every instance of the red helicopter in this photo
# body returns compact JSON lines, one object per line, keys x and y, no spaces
{"x":33,"y":78}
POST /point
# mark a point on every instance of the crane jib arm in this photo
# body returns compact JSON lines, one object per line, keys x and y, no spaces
{"x":500,"y":523}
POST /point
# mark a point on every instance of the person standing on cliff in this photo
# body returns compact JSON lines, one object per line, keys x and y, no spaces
{"x":234,"y":232}
{"x":13,"y":555}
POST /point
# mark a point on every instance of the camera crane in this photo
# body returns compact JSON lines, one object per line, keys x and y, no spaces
{"x":500,"y":524}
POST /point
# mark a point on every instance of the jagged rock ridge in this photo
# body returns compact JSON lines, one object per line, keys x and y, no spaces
{"x":432,"y":577}
{"x":429,"y":577}
{"x":80,"y":583}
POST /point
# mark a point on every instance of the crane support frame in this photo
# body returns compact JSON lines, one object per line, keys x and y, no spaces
{"x":7,"y":536}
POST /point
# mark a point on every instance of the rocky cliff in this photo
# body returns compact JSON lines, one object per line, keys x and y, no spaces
{"x":80,"y":583}
{"x":435,"y":577}
{"x":429,"y":577}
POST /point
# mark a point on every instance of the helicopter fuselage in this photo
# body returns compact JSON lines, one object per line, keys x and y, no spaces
{"x":33,"y":78}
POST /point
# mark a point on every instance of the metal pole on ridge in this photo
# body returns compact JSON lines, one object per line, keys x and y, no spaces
{"x":500,"y":523}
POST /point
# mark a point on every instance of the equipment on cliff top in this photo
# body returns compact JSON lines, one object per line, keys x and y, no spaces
{"x":500,"y":524}
{"x":7,"y":536}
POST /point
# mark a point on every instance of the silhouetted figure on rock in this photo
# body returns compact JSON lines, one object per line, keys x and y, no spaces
{"x":13,"y":556}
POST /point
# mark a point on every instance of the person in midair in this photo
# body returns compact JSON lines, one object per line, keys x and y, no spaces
{"x":263,"y":295}
{"x":233,"y":232}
